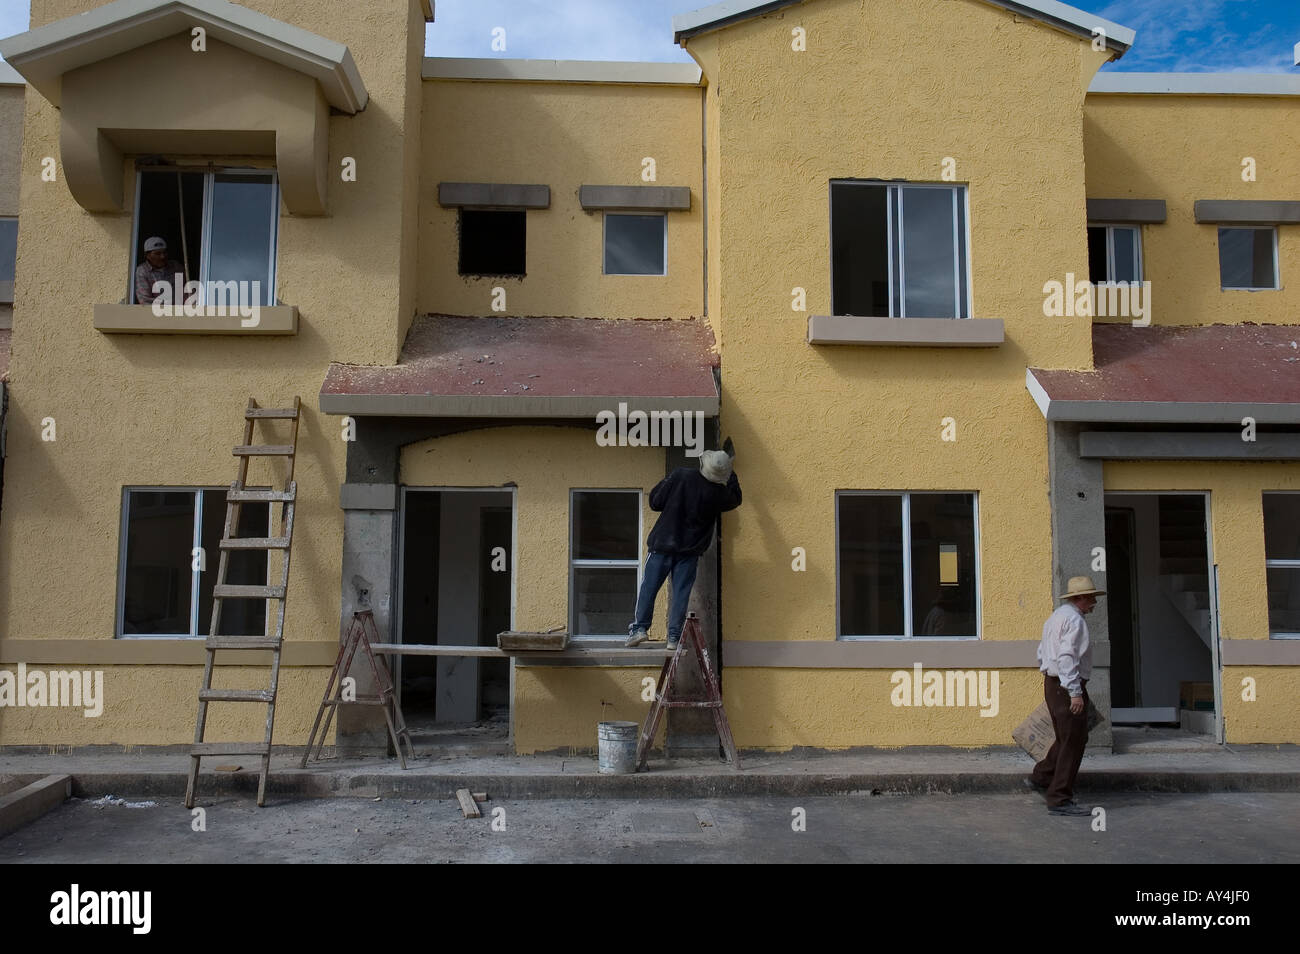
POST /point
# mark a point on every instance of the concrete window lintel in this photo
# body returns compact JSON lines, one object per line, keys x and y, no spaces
{"x":915,"y":332}
{"x":611,"y":198}
{"x":501,"y":195}
{"x":1127,"y":211}
{"x":1247,"y":212}
{"x":140,"y":319}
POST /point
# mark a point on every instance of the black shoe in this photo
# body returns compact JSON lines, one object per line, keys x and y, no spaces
{"x":1069,"y":808}
{"x":1028,"y":782}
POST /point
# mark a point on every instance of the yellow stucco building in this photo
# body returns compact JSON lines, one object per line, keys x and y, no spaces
{"x":978,"y":317}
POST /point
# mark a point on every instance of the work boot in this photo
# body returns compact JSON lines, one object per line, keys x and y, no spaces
{"x":672,"y":643}
{"x":1069,"y":808}
{"x":638,"y":637}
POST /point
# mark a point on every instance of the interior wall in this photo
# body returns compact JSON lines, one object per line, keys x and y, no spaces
{"x":458,"y":588}
{"x":1171,"y":651}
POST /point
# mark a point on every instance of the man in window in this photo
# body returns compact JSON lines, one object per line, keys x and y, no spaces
{"x":156,"y":267}
{"x":1065,"y":658}
{"x":689,"y":502}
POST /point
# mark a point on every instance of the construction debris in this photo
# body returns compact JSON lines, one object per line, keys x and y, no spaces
{"x":469,"y":808}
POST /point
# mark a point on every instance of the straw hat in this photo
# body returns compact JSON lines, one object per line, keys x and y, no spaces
{"x":1080,"y":586}
{"x":716,"y":466}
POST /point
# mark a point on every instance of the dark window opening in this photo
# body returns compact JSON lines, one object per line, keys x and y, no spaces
{"x":492,"y":241}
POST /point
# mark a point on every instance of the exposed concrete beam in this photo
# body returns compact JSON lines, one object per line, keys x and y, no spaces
{"x":1136,"y":211}
{"x":652,"y":198}
{"x":493,"y":194}
{"x":1149,"y":445}
{"x":1247,"y":211}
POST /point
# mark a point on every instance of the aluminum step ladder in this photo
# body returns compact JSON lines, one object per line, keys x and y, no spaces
{"x":272,"y":593}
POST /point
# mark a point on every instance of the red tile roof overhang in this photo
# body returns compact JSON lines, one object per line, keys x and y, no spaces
{"x":453,"y":366}
{"x":1211,"y":374}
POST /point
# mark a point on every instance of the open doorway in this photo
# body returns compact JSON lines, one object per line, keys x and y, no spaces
{"x":1160,"y":612}
{"x":456,"y":579}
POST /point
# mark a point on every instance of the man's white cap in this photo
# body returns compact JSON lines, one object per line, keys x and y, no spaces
{"x":154,"y":244}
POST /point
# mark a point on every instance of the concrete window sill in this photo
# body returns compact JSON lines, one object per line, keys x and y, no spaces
{"x":140,"y":319}
{"x":906,"y":332}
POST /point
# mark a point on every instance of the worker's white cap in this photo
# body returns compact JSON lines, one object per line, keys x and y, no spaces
{"x":154,"y":244}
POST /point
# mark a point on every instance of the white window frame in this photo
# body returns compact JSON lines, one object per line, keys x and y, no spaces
{"x":1277,"y":564}
{"x":196,"y":540}
{"x":896,"y":242}
{"x":209,"y":174}
{"x":574,"y":564}
{"x":604,"y":247}
{"x":1138,"y":262}
{"x":907,"y":565}
{"x":1277,"y":268}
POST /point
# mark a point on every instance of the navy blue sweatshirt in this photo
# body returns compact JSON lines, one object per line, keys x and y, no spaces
{"x":690,"y":504}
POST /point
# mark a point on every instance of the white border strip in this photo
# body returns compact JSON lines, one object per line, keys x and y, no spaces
{"x":1197,"y":84}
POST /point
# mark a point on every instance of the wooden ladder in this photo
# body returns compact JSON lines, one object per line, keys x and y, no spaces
{"x":666,"y":695}
{"x":362,"y":634}
{"x":221,"y":591}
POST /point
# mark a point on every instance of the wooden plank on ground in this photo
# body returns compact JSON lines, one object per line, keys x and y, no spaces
{"x":468,"y":806}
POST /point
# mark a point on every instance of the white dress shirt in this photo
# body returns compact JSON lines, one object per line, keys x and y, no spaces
{"x":1065,"y":651}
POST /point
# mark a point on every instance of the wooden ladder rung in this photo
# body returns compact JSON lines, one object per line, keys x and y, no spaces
{"x":361,"y":700}
{"x":256,"y":543}
{"x":229,"y":748}
{"x":260,"y":495}
{"x":236,"y":695}
{"x":231,"y":591}
{"x":264,"y":450}
{"x":243,"y":642}
{"x":275,"y":413}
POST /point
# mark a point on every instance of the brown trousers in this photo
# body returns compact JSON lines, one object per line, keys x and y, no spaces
{"x":1060,"y":766}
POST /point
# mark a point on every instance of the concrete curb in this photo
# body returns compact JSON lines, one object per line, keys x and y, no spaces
{"x":36,"y":798}
{"x":297,"y":783}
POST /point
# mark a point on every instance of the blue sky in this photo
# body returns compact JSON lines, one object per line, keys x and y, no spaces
{"x":1254,"y":36}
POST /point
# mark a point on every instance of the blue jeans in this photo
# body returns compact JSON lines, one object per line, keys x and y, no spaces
{"x":658,"y":566}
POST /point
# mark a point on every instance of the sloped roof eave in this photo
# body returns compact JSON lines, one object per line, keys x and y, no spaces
{"x":44,"y":54}
{"x":1059,"y":15}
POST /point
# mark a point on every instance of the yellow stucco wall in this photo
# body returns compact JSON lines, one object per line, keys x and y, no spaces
{"x":1184,"y":148}
{"x":1237,"y":537}
{"x":165,"y":410}
{"x":1005,"y":100}
{"x":11,"y":139}
{"x":564,"y":135}
{"x":553,"y":707}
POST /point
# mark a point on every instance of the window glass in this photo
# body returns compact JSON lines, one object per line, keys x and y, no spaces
{"x":162,"y":593}
{"x":943,"y":564}
{"x":8,"y":248}
{"x":871,"y":565}
{"x":159,"y":544}
{"x":1282,"y":562}
{"x":898,"y":250}
{"x":1246,"y":258}
{"x":604,"y":558}
{"x":242,"y":232}
{"x":634,"y":244}
{"x":1124,"y":244}
{"x":929,"y":253}
{"x":605,"y":525}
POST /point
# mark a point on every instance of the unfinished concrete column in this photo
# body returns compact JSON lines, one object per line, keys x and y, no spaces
{"x":1077,"y":497}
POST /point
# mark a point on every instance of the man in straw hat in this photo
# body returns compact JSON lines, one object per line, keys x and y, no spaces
{"x":1065,"y":659}
{"x":689,"y":502}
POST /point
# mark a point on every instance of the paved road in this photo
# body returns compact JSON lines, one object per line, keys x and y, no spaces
{"x":1249,"y":828}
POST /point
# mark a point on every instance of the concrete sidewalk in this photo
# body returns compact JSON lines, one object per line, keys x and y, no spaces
{"x":989,"y":771}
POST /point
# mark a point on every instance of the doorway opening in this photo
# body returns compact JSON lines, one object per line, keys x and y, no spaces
{"x":456,"y":588}
{"x":1161,"y":613}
